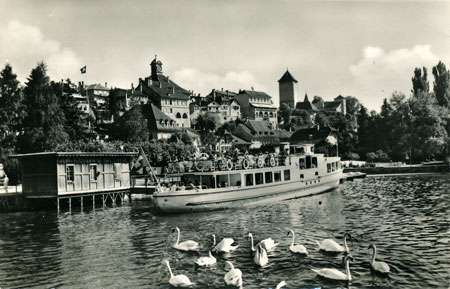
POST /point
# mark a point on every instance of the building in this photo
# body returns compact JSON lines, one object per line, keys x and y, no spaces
{"x":288,"y":88}
{"x":336,"y":106}
{"x":166,"y":95}
{"x":98,"y":95}
{"x":161,"y":126}
{"x":257,"y":132}
{"x":257,"y":105}
{"x":57,"y":174}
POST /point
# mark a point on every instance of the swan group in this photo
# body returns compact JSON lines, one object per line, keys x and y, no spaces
{"x":234,"y":276}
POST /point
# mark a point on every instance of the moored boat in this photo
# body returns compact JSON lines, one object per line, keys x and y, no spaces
{"x":250,"y":181}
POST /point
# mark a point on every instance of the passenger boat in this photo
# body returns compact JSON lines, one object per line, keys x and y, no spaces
{"x":251,"y":180}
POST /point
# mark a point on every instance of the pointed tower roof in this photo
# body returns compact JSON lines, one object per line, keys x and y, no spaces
{"x":287,"y":77}
{"x":306,"y":98}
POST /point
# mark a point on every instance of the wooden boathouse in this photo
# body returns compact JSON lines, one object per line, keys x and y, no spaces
{"x":49,"y":177}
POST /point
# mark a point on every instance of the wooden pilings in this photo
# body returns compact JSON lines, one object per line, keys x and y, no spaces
{"x":107,"y":198}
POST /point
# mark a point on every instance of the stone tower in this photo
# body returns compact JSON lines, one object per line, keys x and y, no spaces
{"x":288,"y":89}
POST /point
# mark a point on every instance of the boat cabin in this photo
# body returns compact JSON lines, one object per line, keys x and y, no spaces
{"x":54,"y":174}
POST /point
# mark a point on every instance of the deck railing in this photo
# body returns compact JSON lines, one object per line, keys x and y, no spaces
{"x":228,"y":164}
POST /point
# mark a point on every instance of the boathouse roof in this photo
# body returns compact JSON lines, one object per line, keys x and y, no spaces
{"x":72,"y":154}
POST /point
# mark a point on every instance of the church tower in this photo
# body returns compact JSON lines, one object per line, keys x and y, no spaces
{"x":156,"y":68}
{"x":288,"y":89}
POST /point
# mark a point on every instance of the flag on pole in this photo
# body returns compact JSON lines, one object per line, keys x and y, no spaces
{"x":83,"y":70}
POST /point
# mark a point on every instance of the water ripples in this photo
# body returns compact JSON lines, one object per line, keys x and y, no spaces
{"x":125,"y":247}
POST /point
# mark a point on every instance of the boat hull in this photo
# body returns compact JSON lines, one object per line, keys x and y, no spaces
{"x":238,"y":197}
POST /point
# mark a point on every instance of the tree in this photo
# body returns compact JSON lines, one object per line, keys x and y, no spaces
{"x":10,"y":108}
{"x":76,"y":122}
{"x":352,"y":105}
{"x":207,"y":122}
{"x":442,"y":84}
{"x":44,"y":121}
{"x":318,"y":101}
{"x":132,"y":126}
{"x":420,"y":81}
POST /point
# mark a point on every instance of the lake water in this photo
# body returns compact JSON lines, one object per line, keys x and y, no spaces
{"x":407,"y":217}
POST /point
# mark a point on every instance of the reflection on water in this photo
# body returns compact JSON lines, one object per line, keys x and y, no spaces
{"x":408,"y":218}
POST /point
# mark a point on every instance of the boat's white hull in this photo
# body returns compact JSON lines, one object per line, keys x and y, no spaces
{"x":235,"y":197}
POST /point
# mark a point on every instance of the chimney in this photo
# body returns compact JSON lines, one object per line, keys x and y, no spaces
{"x":106,"y":84}
{"x":132,"y":88}
{"x":149,"y":82}
{"x":160,"y":84}
{"x":222,"y":88}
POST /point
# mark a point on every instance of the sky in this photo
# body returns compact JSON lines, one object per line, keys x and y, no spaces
{"x":367,"y":49}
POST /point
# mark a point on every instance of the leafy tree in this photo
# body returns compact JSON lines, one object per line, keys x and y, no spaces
{"x":352,"y":105}
{"x":420,"y":81}
{"x":132,"y":126}
{"x":44,"y":121}
{"x":207,"y":122}
{"x":442,"y":84}
{"x":318,"y":101}
{"x":181,"y":137}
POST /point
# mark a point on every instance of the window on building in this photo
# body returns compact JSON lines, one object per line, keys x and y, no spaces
{"x":269,"y":177}
{"x":170,"y":102}
{"x":249,"y":179}
{"x":308,"y":162}
{"x":70,"y":173}
{"x":185,"y":115}
{"x":178,"y":115}
{"x":287,"y":175}
{"x":277,"y":176}
{"x":259,"y":178}
{"x":271,"y":114}
{"x":93,"y":172}
{"x":171,"y":110}
{"x":302,"y":176}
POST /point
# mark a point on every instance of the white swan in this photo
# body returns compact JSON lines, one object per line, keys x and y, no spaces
{"x":281,"y":284}
{"x":336,"y":274}
{"x":206,"y":261}
{"x":188,"y":245}
{"x":260,"y":257}
{"x":380,"y":267}
{"x":296,"y":248}
{"x":178,"y":280}
{"x":268,"y":244}
{"x":233,"y":277}
{"x":330,"y":245}
{"x":225,"y":245}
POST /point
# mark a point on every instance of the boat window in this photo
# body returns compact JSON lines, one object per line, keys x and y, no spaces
{"x":308,"y":162}
{"x":333,"y":166}
{"x":249,"y":179}
{"x":269,"y":177}
{"x":339,"y":165}
{"x":328,"y":167}
{"x":70,"y":173}
{"x":277,"y":176}
{"x":259,"y":179}
{"x":302,"y":163}
{"x":314,"y":162}
{"x":287,"y":175}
